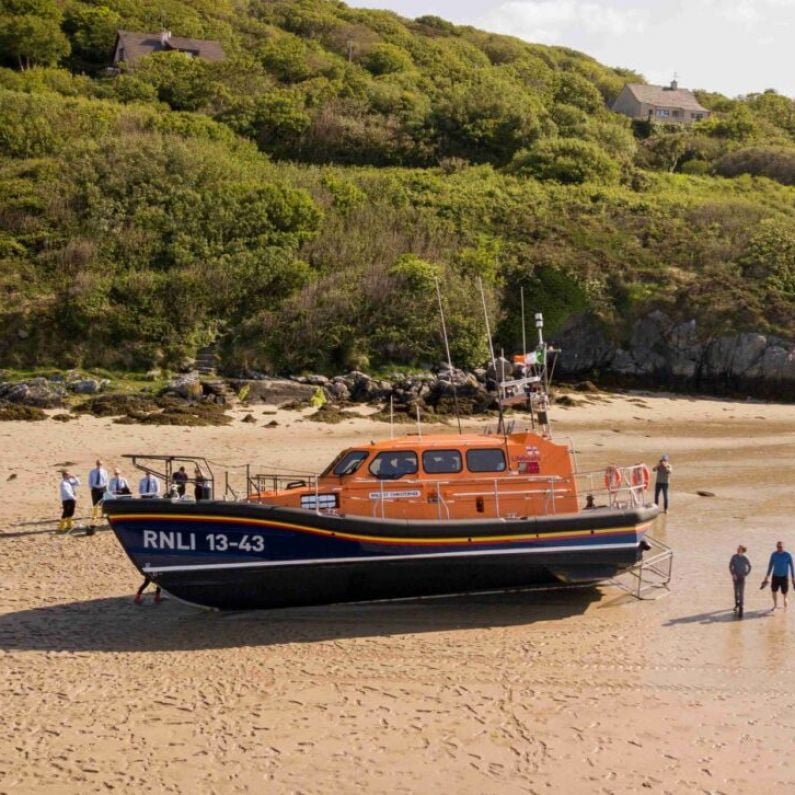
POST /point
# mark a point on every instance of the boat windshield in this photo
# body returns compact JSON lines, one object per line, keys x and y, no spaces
{"x":346,"y":463}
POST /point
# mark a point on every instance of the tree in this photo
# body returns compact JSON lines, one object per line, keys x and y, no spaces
{"x":574,"y":89}
{"x":27,"y":40}
{"x":92,"y":31}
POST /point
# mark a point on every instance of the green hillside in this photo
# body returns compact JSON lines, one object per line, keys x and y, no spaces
{"x":302,"y":194}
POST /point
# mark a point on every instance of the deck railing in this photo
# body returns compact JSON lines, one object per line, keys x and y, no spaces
{"x":504,"y":497}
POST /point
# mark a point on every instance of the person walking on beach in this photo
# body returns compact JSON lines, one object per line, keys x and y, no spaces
{"x":780,"y":567}
{"x":98,"y":483}
{"x":740,"y":568}
{"x":149,"y":486}
{"x":68,"y":492}
{"x":119,"y":486}
{"x":663,"y":470}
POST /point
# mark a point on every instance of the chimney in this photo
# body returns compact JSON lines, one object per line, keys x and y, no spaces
{"x":674,"y":84}
{"x":165,"y":36}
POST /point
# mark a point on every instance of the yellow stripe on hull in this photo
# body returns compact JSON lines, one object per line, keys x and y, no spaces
{"x":495,"y":539}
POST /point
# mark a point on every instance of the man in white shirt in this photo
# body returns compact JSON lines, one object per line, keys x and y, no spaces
{"x":149,"y":486}
{"x":68,"y":492}
{"x":98,"y":483}
{"x":118,"y":485}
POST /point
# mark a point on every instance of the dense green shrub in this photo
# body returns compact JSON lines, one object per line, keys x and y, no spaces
{"x":775,"y":162}
{"x":567,"y":160}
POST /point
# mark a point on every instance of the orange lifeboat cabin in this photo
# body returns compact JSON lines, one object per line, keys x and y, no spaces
{"x":438,"y":477}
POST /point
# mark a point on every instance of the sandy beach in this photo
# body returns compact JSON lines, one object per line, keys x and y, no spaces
{"x":556,"y":691}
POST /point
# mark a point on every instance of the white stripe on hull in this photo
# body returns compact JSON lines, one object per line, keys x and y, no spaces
{"x":383,"y":558}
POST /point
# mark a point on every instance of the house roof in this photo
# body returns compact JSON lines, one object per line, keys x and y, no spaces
{"x":137,"y":45}
{"x":665,"y":97}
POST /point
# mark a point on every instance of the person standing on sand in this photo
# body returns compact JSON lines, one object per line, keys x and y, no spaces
{"x":663,"y":470}
{"x":740,"y":568}
{"x":68,"y":491}
{"x":780,"y":566}
{"x":98,"y":483}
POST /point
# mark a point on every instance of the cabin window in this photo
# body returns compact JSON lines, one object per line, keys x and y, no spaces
{"x":439,"y":462}
{"x":394,"y":464}
{"x":346,"y":463}
{"x":487,"y":460}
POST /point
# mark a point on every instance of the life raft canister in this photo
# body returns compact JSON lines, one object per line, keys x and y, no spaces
{"x":641,"y":476}
{"x":613,"y":478}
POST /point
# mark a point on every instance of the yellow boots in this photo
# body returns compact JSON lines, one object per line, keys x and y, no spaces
{"x":64,"y":526}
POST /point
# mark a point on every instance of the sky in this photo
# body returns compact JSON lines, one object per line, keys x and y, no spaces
{"x":735,"y":47}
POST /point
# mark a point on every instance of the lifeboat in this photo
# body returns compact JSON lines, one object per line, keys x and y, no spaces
{"x":405,"y":517}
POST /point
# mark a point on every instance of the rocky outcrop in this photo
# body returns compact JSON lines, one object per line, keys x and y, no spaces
{"x":661,"y":352}
{"x":39,"y":392}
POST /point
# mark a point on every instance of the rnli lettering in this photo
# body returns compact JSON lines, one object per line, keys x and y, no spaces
{"x":212,"y":542}
{"x":162,"y":539}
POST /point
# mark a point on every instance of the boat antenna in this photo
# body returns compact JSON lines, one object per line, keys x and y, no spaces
{"x":543,"y":414}
{"x":488,"y":329}
{"x":419,"y":422}
{"x":501,"y":426}
{"x":391,"y":416}
{"x":449,"y":358}
{"x":524,"y":325}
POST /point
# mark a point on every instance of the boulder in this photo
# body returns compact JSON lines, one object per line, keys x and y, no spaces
{"x":337,"y":390}
{"x":749,"y":351}
{"x":186,"y":386}
{"x":317,"y":380}
{"x":501,"y":369}
{"x":368,"y":390}
{"x":273,"y":391}
{"x":37,"y":392}
{"x":87,"y":386}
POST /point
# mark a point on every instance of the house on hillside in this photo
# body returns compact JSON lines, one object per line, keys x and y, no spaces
{"x":130,"y":47}
{"x":662,"y":104}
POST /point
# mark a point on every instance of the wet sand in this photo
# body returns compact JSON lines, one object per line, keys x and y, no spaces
{"x":560,"y":691}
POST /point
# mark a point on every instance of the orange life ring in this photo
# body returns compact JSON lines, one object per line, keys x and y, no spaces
{"x":641,"y":476}
{"x":613,"y":478}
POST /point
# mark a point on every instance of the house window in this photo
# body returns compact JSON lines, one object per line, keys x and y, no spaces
{"x":677,"y":114}
{"x":489,"y":460}
{"x":439,"y":462}
{"x":697,"y":116}
{"x":662,"y":113}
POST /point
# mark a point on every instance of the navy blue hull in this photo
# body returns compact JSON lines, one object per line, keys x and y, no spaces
{"x":243,"y":556}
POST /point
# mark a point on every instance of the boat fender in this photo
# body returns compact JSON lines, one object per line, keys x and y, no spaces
{"x":641,"y":476}
{"x":296,"y":484}
{"x":613,"y":478}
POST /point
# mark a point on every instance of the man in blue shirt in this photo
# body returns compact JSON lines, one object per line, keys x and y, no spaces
{"x":781,"y":567}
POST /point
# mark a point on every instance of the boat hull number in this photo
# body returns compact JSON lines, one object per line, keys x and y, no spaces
{"x":209,"y":542}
